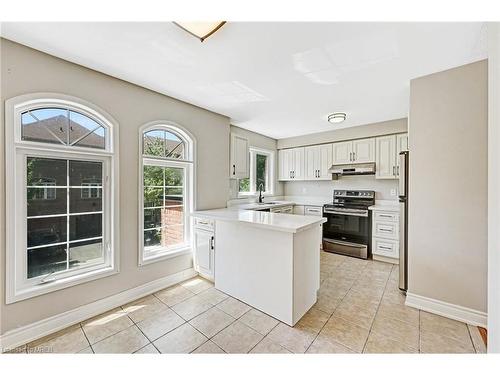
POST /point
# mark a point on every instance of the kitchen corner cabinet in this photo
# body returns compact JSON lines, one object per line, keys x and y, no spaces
{"x":318,"y":159}
{"x":354,"y":152}
{"x":387,"y":155}
{"x":239,"y":157}
{"x":291,"y":164}
{"x":204,"y":248}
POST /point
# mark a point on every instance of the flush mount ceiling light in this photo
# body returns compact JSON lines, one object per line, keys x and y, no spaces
{"x":336,"y":117}
{"x":201,"y":30}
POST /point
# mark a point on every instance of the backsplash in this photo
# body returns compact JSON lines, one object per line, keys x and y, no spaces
{"x":382,"y":188}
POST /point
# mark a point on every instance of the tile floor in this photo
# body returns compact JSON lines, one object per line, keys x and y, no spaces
{"x":359,"y":310}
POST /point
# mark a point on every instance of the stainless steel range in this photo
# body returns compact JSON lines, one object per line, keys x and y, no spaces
{"x":348,"y":229}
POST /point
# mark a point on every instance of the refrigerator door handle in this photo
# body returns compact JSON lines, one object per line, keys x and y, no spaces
{"x":402,"y":174}
{"x":403,"y":261}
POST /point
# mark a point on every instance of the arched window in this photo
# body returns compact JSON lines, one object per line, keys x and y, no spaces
{"x":166,"y":197}
{"x":60,"y":199}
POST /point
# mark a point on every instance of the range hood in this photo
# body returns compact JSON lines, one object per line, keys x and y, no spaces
{"x":352,"y":169}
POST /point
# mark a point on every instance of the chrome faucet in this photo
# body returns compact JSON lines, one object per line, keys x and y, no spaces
{"x":261,"y":199}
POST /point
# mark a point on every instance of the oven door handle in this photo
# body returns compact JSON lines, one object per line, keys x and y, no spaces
{"x":347,"y":213}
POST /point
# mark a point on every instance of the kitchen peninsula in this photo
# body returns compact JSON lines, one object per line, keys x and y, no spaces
{"x":267,"y":260}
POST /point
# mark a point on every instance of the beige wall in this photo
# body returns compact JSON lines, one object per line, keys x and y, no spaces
{"x":259,"y":141}
{"x":25,"y":70}
{"x":356,"y":132}
{"x":448,"y":186}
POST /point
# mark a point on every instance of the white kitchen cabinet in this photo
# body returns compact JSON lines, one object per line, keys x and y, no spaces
{"x":385,"y":236}
{"x":363,"y":150}
{"x":313,"y":210}
{"x":291,"y":164}
{"x":204,"y":252}
{"x":342,"y":152}
{"x":401,"y":145}
{"x":318,"y":159}
{"x":354,"y":152}
{"x":239,"y":157}
{"x":386,"y":157}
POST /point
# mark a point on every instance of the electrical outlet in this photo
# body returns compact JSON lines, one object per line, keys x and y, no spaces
{"x":394,"y":192}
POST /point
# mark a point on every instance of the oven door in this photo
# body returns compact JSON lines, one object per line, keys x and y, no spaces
{"x":347,"y":226}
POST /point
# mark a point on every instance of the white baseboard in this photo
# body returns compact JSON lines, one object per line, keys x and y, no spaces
{"x":382,"y":258}
{"x":33,"y":331}
{"x":448,"y":310}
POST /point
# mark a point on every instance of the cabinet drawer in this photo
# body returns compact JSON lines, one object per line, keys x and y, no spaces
{"x":386,"y":230}
{"x":386,"y":216}
{"x":206,"y":224}
{"x":313,"y":211}
{"x":386,"y":248}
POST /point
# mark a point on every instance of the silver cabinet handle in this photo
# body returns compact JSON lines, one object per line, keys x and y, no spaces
{"x":386,"y":230}
{"x":234,"y":169}
{"x":394,"y":170}
{"x":353,"y":156}
{"x":386,"y":247}
{"x":383,"y":215}
{"x":397,"y":170}
{"x":350,"y":156}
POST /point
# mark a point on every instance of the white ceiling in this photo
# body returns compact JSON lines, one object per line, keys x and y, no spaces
{"x":278,"y":79}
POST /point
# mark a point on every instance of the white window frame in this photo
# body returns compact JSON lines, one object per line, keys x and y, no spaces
{"x":188,"y":163}
{"x":18,"y":286}
{"x":253,"y":151}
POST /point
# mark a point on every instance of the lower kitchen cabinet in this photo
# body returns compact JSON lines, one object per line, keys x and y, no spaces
{"x":385,"y":236}
{"x":204,"y":248}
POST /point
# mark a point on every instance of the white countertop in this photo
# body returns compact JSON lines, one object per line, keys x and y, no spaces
{"x":268,"y":220}
{"x":262,"y":206}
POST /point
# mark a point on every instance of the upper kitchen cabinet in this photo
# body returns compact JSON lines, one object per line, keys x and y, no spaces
{"x":318,"y":159}
{"x":291,"y":164}
{"x":363,"y":150}
{"x":342,"y":152}
{"x":387,"y":151}
{"x":353,"y":152}
{"x":240,"y":163}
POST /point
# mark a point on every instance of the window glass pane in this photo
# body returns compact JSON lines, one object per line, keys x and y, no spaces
{"x":153,"y":197}
{"x":173,"y":196}
{"x":46,"y":201}
{"x":85,"y":132}
{"x":173,"y":235}
{"x":48,"y":125}
{"x":174,"y":176}
{"x":153,"y":176}
{"x":46,"y":172}
{"x":85,"y":226}
{"x":46,"y":260}
{"x":261,"y":171}
{"x":152,"y":237}
{"x":47,"y":230}
{"x":244,"y":185}
{"x":174,"y":146}
{"x":86,"y":199}
{"x":152,"y":217}
{"x":154,"y":143}
{"x":82,"y":173}
{"x":85,"y":253}
{"x":172,"y":216}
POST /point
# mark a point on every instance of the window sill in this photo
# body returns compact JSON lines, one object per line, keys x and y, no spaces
{"x":159,"y":255}
{"x":63,"y":283}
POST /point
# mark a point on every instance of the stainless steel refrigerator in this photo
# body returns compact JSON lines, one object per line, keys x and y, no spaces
{"x":403,"y":220}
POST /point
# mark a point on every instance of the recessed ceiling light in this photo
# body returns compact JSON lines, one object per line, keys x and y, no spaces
{"x":337,"y":117}
{"x":201,"y":30}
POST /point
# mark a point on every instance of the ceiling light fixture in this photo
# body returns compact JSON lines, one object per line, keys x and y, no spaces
{"x":336,"y":117}
{"x":201,"y":30}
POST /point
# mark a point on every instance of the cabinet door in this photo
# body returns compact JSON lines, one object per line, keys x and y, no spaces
{"x":204,"y":252}
{"x":239,"y":157}
{"x":342,"y":152}
{"x":298,"y":210}
{"x":386,"y":157}
{"x":325,"y":162}
{"x":364,"y":150}
{"x":401,"y":145}
{"x":284,"y":165}
{"x":311,"y":162}
{"x":298,"y":163}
